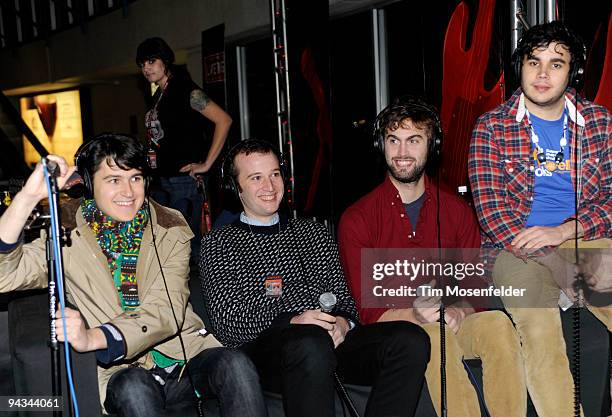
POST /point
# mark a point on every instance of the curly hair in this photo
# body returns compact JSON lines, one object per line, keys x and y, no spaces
{"x":541,"y":36}
{"x":422,"y":115}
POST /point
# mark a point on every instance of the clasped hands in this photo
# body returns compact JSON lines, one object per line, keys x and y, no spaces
{"x":337,"y":327}
{"x":427,"y":310}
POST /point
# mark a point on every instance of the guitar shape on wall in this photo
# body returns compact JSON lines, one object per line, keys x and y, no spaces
{"x":604,"y":93}
{"x":464,"y":95}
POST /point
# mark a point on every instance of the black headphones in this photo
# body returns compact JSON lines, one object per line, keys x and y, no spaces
{"x":406,"y":107}
{"x":228,"y":179}
{"x":577,"y":49}
{"x":84,"y":153}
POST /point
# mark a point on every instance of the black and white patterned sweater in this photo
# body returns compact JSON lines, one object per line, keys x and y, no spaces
{"x":236,"y":260}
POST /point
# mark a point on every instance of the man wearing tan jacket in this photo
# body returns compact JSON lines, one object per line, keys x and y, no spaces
{"x":126,"y":272}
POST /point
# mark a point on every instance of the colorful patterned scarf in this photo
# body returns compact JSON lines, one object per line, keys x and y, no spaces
{"x":120,"y":243}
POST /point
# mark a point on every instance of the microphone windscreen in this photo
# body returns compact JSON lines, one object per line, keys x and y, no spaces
{"x":327,"y":302}
{"x":52,"y":167}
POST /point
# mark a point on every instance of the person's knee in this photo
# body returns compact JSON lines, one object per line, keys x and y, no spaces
{"x":132,"y":384}
{"x":498,"y":325}
{"x":308,"y":346}
{"x":406,"y":341}
{"x":234,"y":365}
{"x":540,"y":324}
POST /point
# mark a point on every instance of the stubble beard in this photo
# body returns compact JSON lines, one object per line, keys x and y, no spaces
{"x":409,"y":177}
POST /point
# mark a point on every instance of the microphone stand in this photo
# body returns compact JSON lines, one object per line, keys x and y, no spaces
{"x":327,"y":306}
{"x":54,"y":258}
{"x":443,"y":405}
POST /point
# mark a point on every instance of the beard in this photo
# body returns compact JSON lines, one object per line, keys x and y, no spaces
{"x":410,"y":176}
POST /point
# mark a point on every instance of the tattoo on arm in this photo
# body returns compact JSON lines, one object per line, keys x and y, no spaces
{"x":198,"y":100}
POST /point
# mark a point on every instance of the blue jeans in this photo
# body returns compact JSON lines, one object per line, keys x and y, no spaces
{"x":181,"y":193}
{"x":224,"y":373}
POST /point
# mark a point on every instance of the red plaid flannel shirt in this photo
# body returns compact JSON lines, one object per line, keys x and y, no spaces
{"x":502,"y":175}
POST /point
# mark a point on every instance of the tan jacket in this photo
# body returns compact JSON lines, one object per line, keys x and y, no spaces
{"x":90,"y":287}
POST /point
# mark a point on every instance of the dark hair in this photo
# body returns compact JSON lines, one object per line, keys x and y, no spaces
{"x":124,"y":151}
{"x":154,"y":48}
{"x":246,"y":147}
{"x":541,"y":36}
{"x":422,"y":114}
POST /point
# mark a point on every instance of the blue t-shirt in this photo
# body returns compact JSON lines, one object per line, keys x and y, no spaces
{"x":553,"y":199}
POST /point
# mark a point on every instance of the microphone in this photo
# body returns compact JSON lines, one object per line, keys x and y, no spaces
{"x":327,"y":302}
{"x":52,"y":167}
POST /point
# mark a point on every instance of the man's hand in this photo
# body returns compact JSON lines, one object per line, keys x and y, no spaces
{"x":316,"y":317}
{"x":16,"y":215}
{"x":426,"y":309}
{"x":453,"y":316}
{"x":597,"y":268}
{"x":339,"y":331}
{"x":35,"y":187}
{"x":196,"y":168}
{"x":538,"y":237}
{"x":80,"y":338}
{"x":562,"y":271}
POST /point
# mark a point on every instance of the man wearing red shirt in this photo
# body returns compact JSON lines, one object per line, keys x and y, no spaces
{"x":402,"y":213}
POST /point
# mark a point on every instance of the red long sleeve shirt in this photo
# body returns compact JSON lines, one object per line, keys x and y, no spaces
{"x":379,"y":220}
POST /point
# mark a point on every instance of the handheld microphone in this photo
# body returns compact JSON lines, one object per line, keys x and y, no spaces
{"x":52,"y":167}
{"x":327,"y":302}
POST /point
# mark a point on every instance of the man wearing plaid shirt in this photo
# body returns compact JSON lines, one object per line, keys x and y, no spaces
{"x":527,"y":173}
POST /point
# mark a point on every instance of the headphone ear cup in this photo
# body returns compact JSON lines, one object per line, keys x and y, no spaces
{"x":379,"y":140}
{"x":87,"y":183}
{"x":517,"y":64}
{"x":228,"y":183}
{"x":379,"y":143}
{"x":233,"y":187}
{"x":147,"y":185}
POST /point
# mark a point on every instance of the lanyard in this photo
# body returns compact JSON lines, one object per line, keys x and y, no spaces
{"x":562,"y":142}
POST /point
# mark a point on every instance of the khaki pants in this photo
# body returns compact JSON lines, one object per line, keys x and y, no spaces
{"x":536,"y":317}
{"x":490,"y":337}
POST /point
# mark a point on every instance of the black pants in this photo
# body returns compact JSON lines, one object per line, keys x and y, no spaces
{"x":299,"y":361}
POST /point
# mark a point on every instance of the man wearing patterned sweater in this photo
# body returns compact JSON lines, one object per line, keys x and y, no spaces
{"x":540,"y":167}
{"x":262,"y":277}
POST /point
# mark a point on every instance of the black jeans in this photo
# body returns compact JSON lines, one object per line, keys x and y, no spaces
{"x":224,"y":373}
{"x":299,"y":361}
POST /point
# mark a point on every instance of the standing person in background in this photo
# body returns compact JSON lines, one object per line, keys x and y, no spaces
{"x":178,"y":149}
